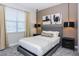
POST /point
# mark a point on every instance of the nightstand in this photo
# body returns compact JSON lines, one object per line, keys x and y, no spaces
{"x":68,"y":43}
{"x":35,"y":34}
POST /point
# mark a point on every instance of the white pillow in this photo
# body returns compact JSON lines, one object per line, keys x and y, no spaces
{"x":45,"y":31}
{"x":54,"y":33}
{"x":47,"y":34}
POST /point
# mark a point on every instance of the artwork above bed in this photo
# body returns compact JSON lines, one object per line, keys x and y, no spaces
{"x":52,"y":19}
{"x":56,"y":18}
{"x":46,"y":19}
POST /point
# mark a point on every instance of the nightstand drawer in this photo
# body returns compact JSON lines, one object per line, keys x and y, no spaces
{"x":68,"y":43}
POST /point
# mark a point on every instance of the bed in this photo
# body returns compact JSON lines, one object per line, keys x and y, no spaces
{"x":39,"y":45}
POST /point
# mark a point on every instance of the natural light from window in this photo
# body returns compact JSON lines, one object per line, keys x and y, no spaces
{"x":15,"y":20}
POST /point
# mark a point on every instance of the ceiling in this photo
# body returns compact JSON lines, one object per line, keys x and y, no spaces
{"x":31,"y":6}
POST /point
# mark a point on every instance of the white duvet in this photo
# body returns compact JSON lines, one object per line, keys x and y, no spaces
{"x":39,"y":45}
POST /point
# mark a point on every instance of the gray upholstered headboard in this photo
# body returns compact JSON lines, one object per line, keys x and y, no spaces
{"x":53,"y":28}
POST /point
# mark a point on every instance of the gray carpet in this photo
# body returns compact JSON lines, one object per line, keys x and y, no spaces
{"x":12,"y":51}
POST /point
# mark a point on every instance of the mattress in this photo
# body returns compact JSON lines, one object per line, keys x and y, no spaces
{"x":39,"y":45}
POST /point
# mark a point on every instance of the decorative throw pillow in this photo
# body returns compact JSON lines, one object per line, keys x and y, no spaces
{"x":47,"y":34}
{"x":50,"y":35}
{"x":55,"y":33}
{"x":44,"y":34}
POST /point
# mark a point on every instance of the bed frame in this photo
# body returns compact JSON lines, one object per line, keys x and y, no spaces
{"x":26,"y":52}
{"x":51,"y":51}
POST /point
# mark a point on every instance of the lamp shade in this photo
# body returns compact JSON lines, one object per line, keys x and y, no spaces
{"x":37,"y":25}
{"x":65,"y":24}
{"x":71,"y":24}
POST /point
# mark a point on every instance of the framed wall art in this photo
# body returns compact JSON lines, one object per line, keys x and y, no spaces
{"x":46,"y":19}
{"x":56,"y":18}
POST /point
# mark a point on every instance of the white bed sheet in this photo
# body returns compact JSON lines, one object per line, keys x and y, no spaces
{"x":39,"y":45}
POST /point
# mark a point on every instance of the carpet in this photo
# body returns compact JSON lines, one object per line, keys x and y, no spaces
{"x":12,"y":51}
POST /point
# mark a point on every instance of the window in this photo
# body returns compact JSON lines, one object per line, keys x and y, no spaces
{"x":15,"y":20}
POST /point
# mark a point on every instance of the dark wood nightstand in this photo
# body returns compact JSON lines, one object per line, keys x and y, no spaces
{"x":35,"y":34}
{"x":68,"y":43}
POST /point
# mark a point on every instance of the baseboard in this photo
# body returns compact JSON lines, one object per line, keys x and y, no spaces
{"x":1,"y":49}
{"x":10,"y":46}
{"x":13,"y":44}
